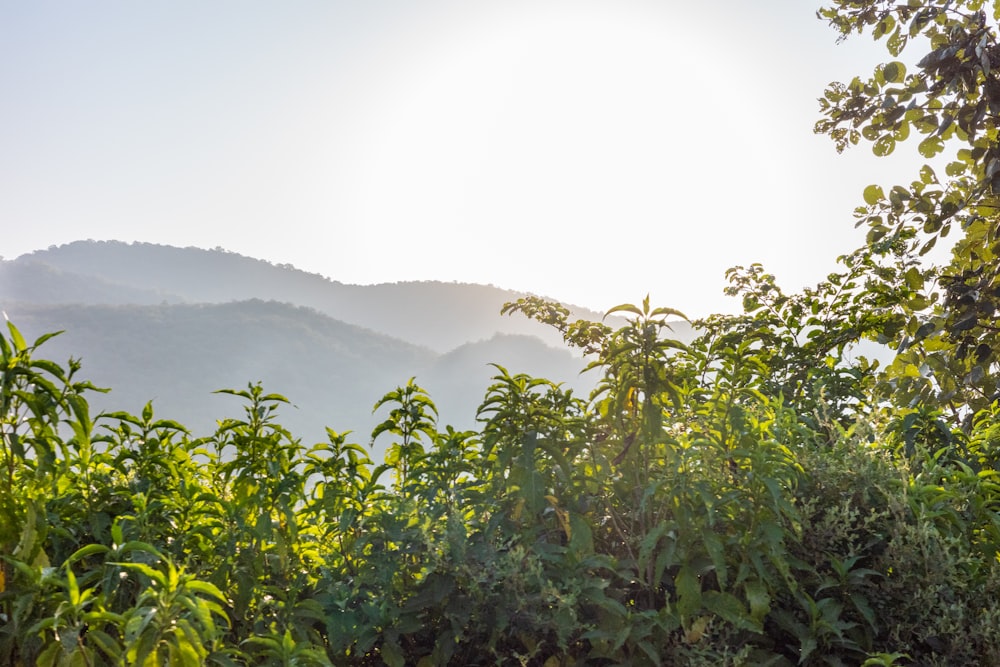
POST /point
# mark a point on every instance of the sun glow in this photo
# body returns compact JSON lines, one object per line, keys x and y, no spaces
{"x":569,"y":141}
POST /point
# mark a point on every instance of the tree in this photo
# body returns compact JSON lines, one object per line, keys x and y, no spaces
{"x":948,"y":336}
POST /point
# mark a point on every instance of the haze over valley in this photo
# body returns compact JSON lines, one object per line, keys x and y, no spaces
{"x":173,"y":325}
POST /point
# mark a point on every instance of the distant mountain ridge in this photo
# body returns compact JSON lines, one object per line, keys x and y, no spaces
{"x":437,"y":315}
{"x":173,"y":325}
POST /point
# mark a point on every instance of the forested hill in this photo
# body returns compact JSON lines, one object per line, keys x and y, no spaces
{"x":437,"y":315}
{"x":177,"y":355}
{"x":173,"y":325}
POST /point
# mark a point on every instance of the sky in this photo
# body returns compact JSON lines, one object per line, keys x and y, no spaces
{"x":590,"y":151}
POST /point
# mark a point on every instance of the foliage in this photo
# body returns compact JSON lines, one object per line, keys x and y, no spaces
{"x":737,"y":500}
{"x":762,"y":495}
{"x":950,"y":103}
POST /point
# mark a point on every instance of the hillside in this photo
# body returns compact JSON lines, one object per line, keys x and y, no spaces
{"x":177,"y":355}
{"x":173,"y":325}
{"x":437,"y":315}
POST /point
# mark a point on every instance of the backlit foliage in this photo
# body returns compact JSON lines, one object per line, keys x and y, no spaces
{"x":762,"y":495}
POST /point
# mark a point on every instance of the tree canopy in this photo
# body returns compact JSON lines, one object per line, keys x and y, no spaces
{"x":949,"y":103}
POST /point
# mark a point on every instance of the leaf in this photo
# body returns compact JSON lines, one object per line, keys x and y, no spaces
{"x":873,"y":194}
{"x":392,"y":654}
{"x":729,"y":608}
{"x":169,"y":424}
{"x":901,"y":132}
{"x":135,"y":545}
{"x":49,"y":366}
{"x":688,"y":592}
{"x":624,"y":308}
{"x":897,"y":42}
{"x":15,"y":337}
{"x":50,"y":656}
{"x":860,"y":603}
{"x":44,"y":337}
{"x":697,"y":630}
{"x":142,"y":568}
{"x":885,"y":145}
{"x":914,"y":279}
{"x":648,"y":544}
{"x":931,"y":146}
{"x":894,"y":72}
{"x":81,"y":410}
{"x":716,"y":550}
{"x":83,"y":552}
{"x":759,"y":599}
{"x":72,"y":588}
{"x":806,"y":648}
{"x":582,"y":542}
{"x":205,"y":587}
{"x":669,"y":312}
{"x":956,"y":168}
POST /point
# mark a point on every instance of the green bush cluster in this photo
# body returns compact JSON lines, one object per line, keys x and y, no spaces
{"x":742,"y":500}
{"x":760,"y":496}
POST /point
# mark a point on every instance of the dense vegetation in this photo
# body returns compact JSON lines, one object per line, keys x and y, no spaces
{"x":754,"y":497}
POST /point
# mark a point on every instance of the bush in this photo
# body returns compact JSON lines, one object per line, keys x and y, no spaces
{"x":687,"y":513}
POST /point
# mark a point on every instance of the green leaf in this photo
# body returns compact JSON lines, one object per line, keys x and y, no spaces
{"x":894,"y":72}
{"x":582,"y":541}
{"x":669,"y":312}
{"x":873,"y":194}
{"x":142,"y":568}
{"x":50,"y":656}
{"x":716,"y":551}
{"x":72,"y":588}
{"x":956,"y":168}
{"x":931,"y":146}
{"x":624,"y":308}
{"x":688,"y":592}
{"x":135,"y":545}
{"x":206,"y":588}
{"x":914,"y":279}
{"x":729,"y":608}
{"x":759,"y":599}
{"x":648,"y":544}
{"x":49,"y":366}
{"x":885,"y":145}
{"x":88,"y":550}
{"x":15,"y":336}
{"x":897,"y":42}
{"x":392,"y":654}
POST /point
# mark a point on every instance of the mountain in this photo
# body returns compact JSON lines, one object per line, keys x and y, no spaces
{"x":332,"y":372}
{"x":437,"y":315}
{"x":464,"y":373}
{"x":173,"y":325}
{"x":32,"y":280}
{"x":177,"y":355}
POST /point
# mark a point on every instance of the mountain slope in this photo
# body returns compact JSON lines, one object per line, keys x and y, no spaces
{"x":173,"y":325}
{"x":437,"y":315}
{"x":31,"y":280}
{"x":464,"y":373}
{"x":177,"y":355}
{"x":333,"y":373}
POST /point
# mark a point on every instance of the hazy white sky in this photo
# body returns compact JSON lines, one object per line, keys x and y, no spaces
{"x":592,"y":151}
